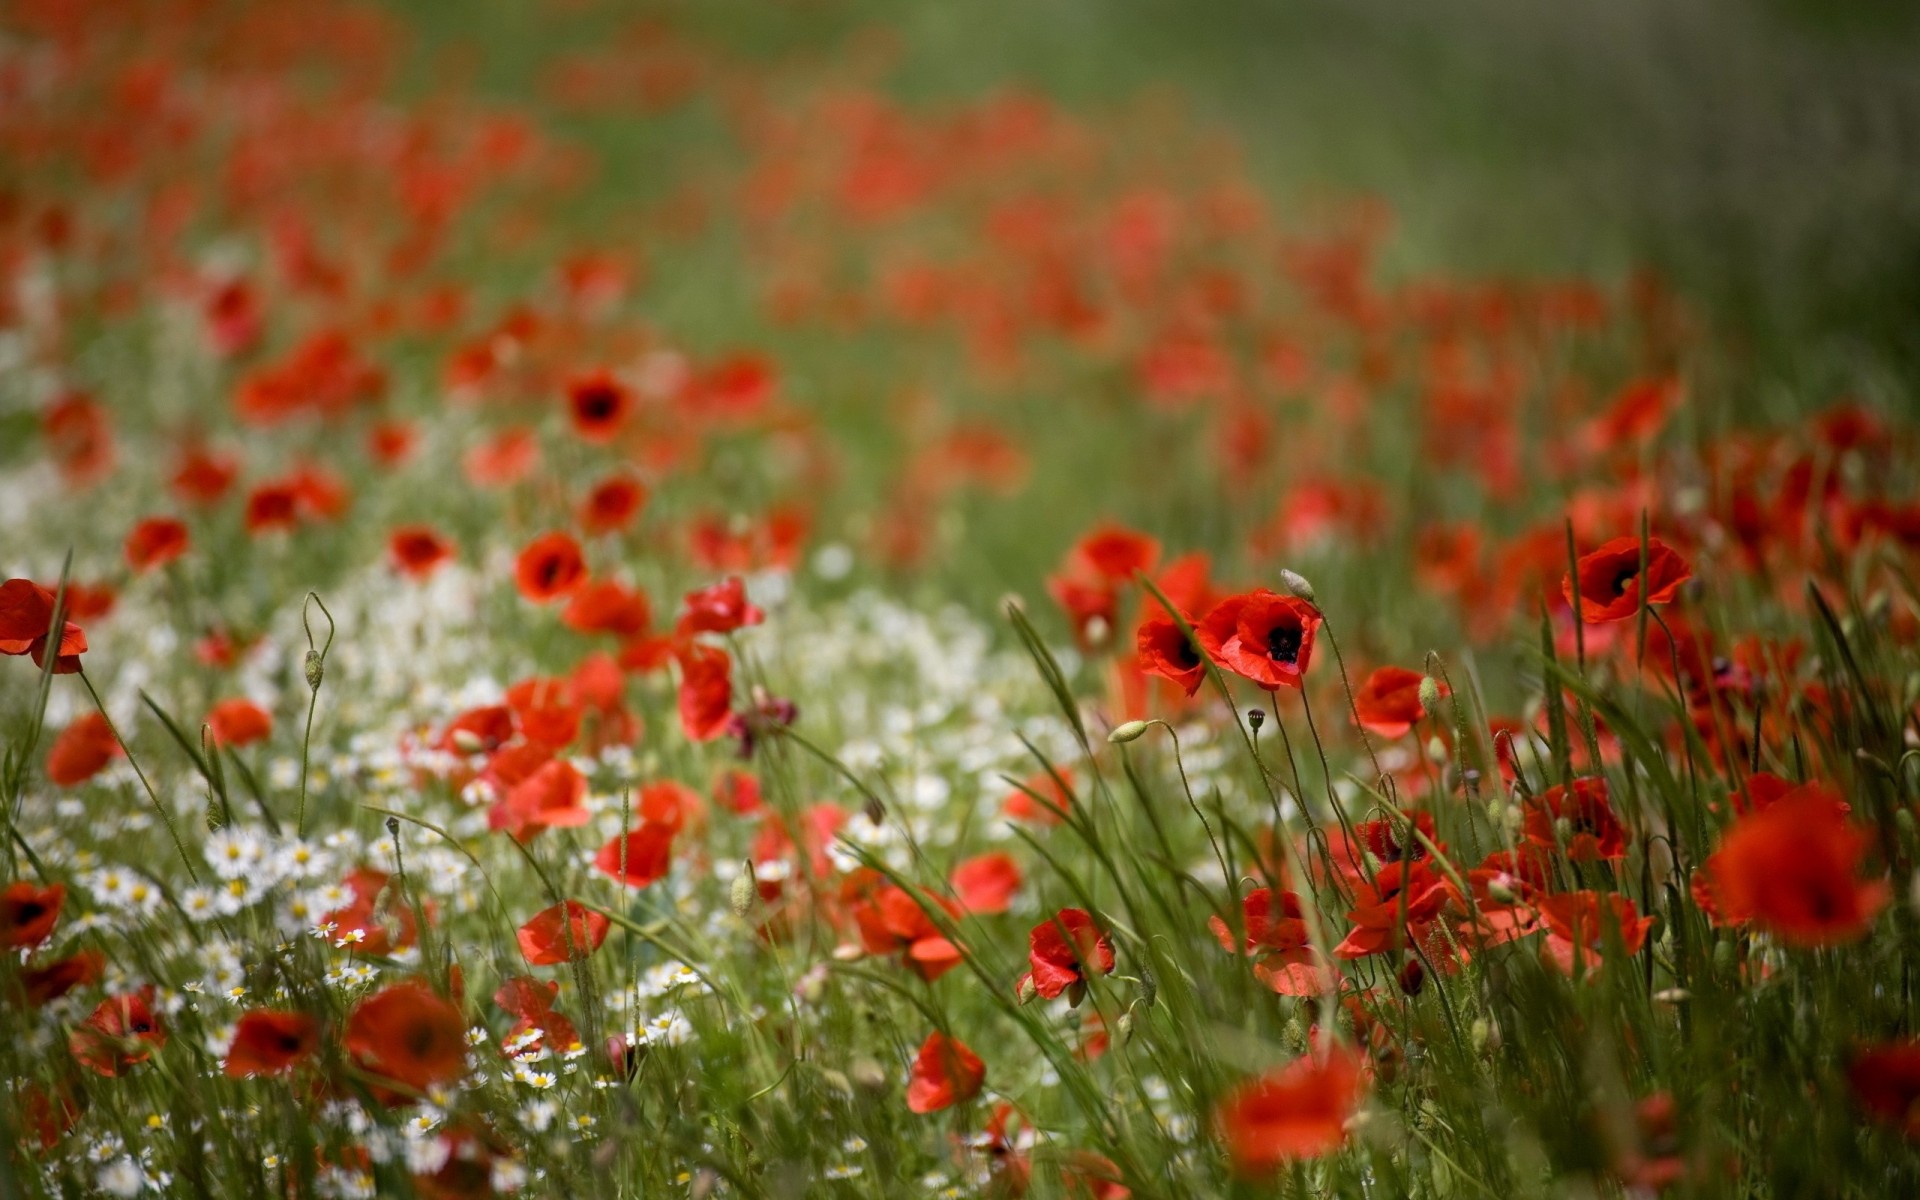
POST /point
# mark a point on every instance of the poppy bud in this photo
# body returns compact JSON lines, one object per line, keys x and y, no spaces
{"x":1672,"y":996}
{"x":1436,"y":750}
{"x":1429,"y":693}
{"x":1413,"y":977}
{"x":1149,"y":986}
{"x":1481,"y":1032}
{"x":1129,"y":732}
{"x":869,"y":1075}
{"x":1026,"y":991}
{"x":740,"y":895}
{"x":1723,"y":953}
{"x":837,"y":1080}
{"x":1125,"y":1026}
{"x":1297,"y":584}
{"x":1903,"y":817}
{"x":216,"y":819}
{"x":316,"y":670}
{"x":1500,"y":893}
{"x":1076,"y":993}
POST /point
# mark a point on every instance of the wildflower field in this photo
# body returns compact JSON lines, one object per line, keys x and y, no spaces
{"x":709,"y":612}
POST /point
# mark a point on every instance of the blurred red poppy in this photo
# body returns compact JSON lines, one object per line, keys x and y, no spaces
{"x":1299,"y":1111}
{"x":1388,"y":702}
{"x":239,"y":723}
{"x":1059,"y":964}
{"x":1793,"y":869}
{"x":407,"y":1033}
{"x":986,"y":883}
{"x":417,"y":551}
{"x":1579,"y":822}
{"x":28,"y":913}
{"x":82,"y":750}
{"x":639,"y":857}
{"x":155,"y":542}
{"x":1609,"y":579}
{"x":111,"y":1039}
{"x":271,"y":1042}
{"x":720,"y":608}
{"x":550,"y":567}
{"x":567,"y":930}
{"x":1166,"y":650}
{"x":945,"y":1073}
{"x":598,"y":404}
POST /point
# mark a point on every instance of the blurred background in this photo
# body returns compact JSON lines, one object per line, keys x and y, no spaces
{"x":1763,"y":154}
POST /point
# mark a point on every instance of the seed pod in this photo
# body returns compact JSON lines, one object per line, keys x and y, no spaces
{"x":1129,"y":732}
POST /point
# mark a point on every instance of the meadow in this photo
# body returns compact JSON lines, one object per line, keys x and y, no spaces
{"x":734,"y":602}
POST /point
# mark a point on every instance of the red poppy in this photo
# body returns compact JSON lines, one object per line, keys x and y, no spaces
{"x":239,"y":723}
{"x":546,"y":712}
{"x":1610,"y":579}
{"x":945,"y":1073}
{"x":894,"y":921}
{"x":26,"y":618}
{"x":738,"y":792}
{"x":1263,"y":636}
{"x":391,"y":443}
{"x":28,"y":913}
{"x":417,"y":551}
{"x":53,"y":980}
{"x":1055,"y":789}
{"x":155,"y":542}
{"x":639,"y":857}
{"x":986,"y":883}
{"x":504,"y":461}
{"x":612,"y":504}
{"x":554,"y":794}
{"x":271,"y":1042}
{"x":272,"y":507}
{"x":203,"y":477}
{"x":721,"y":608}
{"x":1581,"y":822}
{"x":1389,"y":701}
{"x":1792,"y":868}
{"x":1059,"y":964}
{"x":1886,"y":1081}
{"x":105,"y":1041}
{"x":1282,"y":953}
{"x":1581,"y":924}
{"x":606,"y":606}
{"x":407,"y":1033}
{"x":551,"y":937}
{"x":706,"y":690}
{"x":530,"y":1001}
{"x":550,"y":567}
{"x":1114,"y":552}
{"x":1405,"y":900}
{"x":599,"y":405}
{"x":478,"y":730}
{"x":82,"y":751}
{"x":1299,"y":1111}
{"x":1166,"y":650}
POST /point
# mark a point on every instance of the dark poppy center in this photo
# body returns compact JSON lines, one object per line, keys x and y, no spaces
{"x":1623,"y":578}
{"x":598,"y":404}
{"x":29,"y":912}
{"x":1283,"y":643}
{"x":420,"y":1040}
{"x":289,"y":1043}
{"x":1184,"y":655}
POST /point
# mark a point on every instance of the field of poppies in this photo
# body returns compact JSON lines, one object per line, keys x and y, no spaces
{"x":708,"y":623}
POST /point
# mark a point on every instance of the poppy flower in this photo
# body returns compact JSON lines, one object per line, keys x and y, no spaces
{"x":1115,"y":553}
{"x":607,"y":606}
{"x":1299,"y":1111}
{"x":391,"y":443}
{"x":1886,"y":1082}
{"x":155,"y":542}
{"x":26,"y":618}
{"x":203,"y":477}
{"x":28,"y":913}
{"x":1389,"y":701}
{"x":82,"y":751}
{"x":1263,"y":636}
{"x":720,"y":608}
{"x":1609,"y":579}
{"x":239,"y":723}
{"x":1276,"y":939}
{"x":986,"y":883}
{"x":706,"y":690}
{"x":503,"y":461}
{"x":551,"y":937}
{"x":612,"y":504}
{"x":479,"y":730}
{"x":50,"y":981}
{"x":1792,"y":868}
{"x":1059,"y":964}
{"x":550,"y":567}
{"x":1581,"y":924}
{"x":1166,"y":650}
{"x":1404,"y":901}
{"x":553,"y":795}
{"x":271,"y":1042}
{"x":417,"y":551}
{"x":530,"y":1001}
{"x":1581,"y":821}
{"x":892,"y":920}
{"x":1055,"y":789}
{"x":639,"y":857}
{"x":407,"y":1033}
{"x":598,"y":405}
{"x":105,"y":1042}
{"x":945,"y":1073}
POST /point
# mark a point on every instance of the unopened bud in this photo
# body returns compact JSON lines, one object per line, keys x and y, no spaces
{"x":216,"y":817}
{"x":1436,"y":750}
{"x":1723,"y":955}
{"x":1298,"y":585}
{"x":1026,"y":991}
{"x":868,"y":1075}
{"x":1500,"y":893}
{"x":1482,"y":1031}
{"x":1124,"y":1026}
{"x":1149,"y":986}
{"x":316,"y":670}
{"x":837,"y":1080}
{"x":1129,"y":732}
{"x":740,"y":896}
{"x":1429,"y":693}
